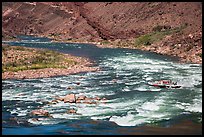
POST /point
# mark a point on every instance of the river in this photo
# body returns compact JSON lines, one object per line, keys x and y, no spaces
{"x":131,"y":102}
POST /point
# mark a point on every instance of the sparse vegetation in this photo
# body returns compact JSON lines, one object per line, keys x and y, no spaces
{"x":199,"y":54}
{"x":161,"y":28}
{"x":54,"y":34}
{"x":159,"y":32}
{"x":104,"y":42}
{"x":38,"y":59}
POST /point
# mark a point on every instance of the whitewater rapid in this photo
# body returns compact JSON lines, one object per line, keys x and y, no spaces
{"x":130,"y":100}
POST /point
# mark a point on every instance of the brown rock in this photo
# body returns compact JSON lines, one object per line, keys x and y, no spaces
{"x":40,"y":112}
{"x":78,"y":83}
{"x":114,"y":80}
{"x":59,"y":98}
{"x":104,"y":99}
{"x":81,"y":97}
{"x":71,"y":98}
{"x":78,"y":101}
{"x":73,"y":111}
{"x":89,"y":101}
{"x":70,"y":88}
{"x":97,"y":98}
{"x":55,"y":101}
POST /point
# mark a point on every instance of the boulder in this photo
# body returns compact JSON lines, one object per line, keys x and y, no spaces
{"x":70,"y":98}
{"x":59,"y":98}
{"x":103,"y":99}
{"x":97,"y":98}
{"x":73,"y":111}
{"x":70,"y":88}
{"x":40,"y":112}
{"x":81,"y":97}
{"x":89,"y":101}
{"x":78,"y":83}
{"x":114,"y":80}
{"x":78,"y":101}
{"x":55,"y":101}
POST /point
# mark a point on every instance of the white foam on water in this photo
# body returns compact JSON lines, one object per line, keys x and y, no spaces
{"x":118,"y":104}
{"x":150,"y":106}
{"x":153,"y":105}
{"x":155,"y":89}
{"x":66,"y":116}
{"x":43,"y":121}
{"x":127,"y":120}
{"x":143,"y":88}
{"x":126,"y":89}
{"x":144,"y":110}
{"x":189,"y":81}
{"x":100,"y":117}
{"x":130,"y":120}
{"x":93,"y":111}
{"x":152,"y":109}
{"x":133,"y":62}
{"x":59,"y":104}
{"x":133,"y":83}
{"x":148,"y":78}
{"x":196,"y":106}
{"x":22,"y":112}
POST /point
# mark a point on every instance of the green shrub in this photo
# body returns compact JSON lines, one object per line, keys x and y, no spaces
{"x":105,"y":42}
{"x":159,"y":32}
{"x":199,"y":54}
{"x":161,"y":28}
{"x":144,"y":40}
{"x":42,"y":59}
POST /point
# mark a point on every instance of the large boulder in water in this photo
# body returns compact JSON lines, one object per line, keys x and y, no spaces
{"x":71,"y":98}
{"x":40,"y":112}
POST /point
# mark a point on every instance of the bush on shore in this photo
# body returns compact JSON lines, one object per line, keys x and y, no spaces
{"x":35,"y":59}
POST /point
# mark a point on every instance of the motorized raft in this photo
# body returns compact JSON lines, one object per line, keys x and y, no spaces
{"x":164,"y":84}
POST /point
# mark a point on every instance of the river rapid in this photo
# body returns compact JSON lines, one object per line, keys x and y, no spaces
{"x":122,"y":79}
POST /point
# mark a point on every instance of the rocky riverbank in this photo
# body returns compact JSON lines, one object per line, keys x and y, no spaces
{"x":187,"y":49}
{"x":47,"y":72}
{"x":20,"y":64}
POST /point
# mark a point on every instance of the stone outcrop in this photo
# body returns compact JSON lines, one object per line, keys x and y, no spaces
{"x":70,"y":98}
{"x":73,"y":98}
{"x":40,"y":112}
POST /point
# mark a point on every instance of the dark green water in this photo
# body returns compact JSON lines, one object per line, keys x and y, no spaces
{"x":131,"y":103}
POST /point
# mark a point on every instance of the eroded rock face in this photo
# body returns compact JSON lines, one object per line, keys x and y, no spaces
{"x":70,"y":98}
{"x":96,"y":20}
{"x":90,"y":21}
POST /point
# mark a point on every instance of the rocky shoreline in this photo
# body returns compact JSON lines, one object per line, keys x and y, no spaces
{"x":81,"y":65}
{"x":47,"y":72}
{"x":159,"y":48}
{"x":85,"y":65}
